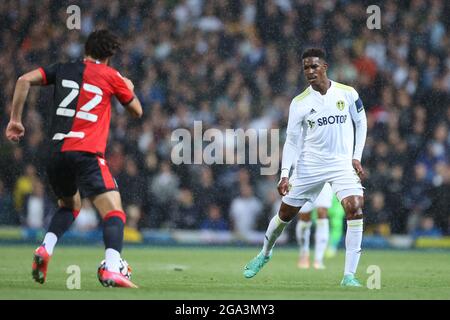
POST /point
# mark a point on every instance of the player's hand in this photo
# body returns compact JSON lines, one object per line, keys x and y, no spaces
{"x":14,"y":131}
{"x":129,"y":84}
{"x":359,"y":169}
{"x":283,"y":186}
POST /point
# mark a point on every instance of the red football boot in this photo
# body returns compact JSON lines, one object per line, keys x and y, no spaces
{"x":114,"y":279}
{"x":40,"y":263}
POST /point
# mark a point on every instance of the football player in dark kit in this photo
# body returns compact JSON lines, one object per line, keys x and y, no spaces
{"x":81,"y":113}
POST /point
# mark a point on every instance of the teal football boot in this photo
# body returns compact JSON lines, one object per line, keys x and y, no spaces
{"x":255,"y":265}
{"x":350,"y":281}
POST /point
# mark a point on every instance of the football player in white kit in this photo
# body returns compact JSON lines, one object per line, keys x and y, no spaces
{"x":303,"y":229}
{"x":330,"y":150}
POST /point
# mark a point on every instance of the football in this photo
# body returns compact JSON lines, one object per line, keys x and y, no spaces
{"x":125,"y":269}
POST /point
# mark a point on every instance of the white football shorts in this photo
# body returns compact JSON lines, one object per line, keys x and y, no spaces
{"x":307,"y":185}
{"x":323,"y":200}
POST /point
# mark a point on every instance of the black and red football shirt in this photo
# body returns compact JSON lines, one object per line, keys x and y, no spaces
{"x":81,"y":111}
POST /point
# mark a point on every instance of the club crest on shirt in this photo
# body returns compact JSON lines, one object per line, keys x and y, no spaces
{"x":340,"y":105}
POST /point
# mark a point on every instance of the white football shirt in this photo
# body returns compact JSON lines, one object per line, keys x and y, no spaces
{"x":324,"y":125}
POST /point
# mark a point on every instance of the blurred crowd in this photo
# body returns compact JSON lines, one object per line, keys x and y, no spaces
{"x":236,"y":64}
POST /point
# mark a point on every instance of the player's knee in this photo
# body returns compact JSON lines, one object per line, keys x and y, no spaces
{"x":107,"y":202}
{"x":73,"y":203}
{"x":322,"y":213}
{"x":353,"y":207}
{"x":287,"y":212}
{"x":304,"y":216}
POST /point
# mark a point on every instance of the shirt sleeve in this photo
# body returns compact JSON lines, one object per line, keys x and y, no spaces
{"x":359,"y":118}
{"x":49,"y":73}
{"x":292,"y":146}
{"x":121,"y":90}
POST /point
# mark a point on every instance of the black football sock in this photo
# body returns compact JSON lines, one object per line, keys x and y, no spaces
{"x":113,"y":225}
{"x":62,"y":220}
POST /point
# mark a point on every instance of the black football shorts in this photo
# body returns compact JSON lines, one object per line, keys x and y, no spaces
{"x":75,"y":170}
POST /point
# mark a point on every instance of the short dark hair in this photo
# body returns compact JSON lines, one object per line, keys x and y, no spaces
{"x":314,"y":52}
{"x":101,"y":44}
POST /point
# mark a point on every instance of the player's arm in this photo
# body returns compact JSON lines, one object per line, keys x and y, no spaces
{"x":15,"y":129}
{"x":124,"y":91}
{"x":359,"y":118}
{"x":134,"y":107}
{"x":291,"y":147}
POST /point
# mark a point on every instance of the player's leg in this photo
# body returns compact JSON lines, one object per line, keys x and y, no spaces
{"x":109,"y":205}
{"x":97,"y":183}
{"x":352,"y":201}
{"x":65,"y":215}
{"x":303,"y":235}
{"x":321,"y":237}
{"x":274,"y":230}
{"x":277,"y":225}
{"x":291,"y":203}
{"x":63,"y":181}
{"x":323,"y":202}
{"x":69,"y":207}
{"x":348,"y":189}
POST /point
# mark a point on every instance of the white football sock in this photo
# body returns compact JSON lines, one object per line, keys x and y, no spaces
{"x":322,"y":233}
{"x":49,"y":242}
{"x":276,"y":226}
{"x":303,"y":234}
{"x":353,"y":241}
{"x":112,"y":260}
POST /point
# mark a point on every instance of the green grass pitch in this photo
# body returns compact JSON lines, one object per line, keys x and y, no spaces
{"x":185,"y":273}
